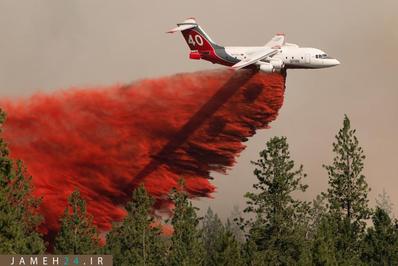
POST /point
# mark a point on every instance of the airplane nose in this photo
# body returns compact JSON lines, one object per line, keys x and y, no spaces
{"x":332,"y":62}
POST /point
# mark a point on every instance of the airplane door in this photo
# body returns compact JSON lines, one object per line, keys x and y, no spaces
{"x":307,"y":58}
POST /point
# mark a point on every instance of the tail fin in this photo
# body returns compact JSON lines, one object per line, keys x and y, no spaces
{"x":194,"y":35}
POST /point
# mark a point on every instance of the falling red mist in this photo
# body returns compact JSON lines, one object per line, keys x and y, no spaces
{"x":106,"y":141}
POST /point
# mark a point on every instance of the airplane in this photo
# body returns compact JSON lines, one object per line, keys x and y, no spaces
{"x":275,"y":56}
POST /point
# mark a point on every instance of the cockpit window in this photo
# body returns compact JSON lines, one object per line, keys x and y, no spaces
{"x":323,"y":56}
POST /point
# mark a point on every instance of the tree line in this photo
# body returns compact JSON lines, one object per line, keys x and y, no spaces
{"x":337,"y":228}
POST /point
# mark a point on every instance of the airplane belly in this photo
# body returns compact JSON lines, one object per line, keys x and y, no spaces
{"x":300,"y":66}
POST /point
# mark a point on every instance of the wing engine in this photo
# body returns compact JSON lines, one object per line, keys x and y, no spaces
{"x":266,"y":67}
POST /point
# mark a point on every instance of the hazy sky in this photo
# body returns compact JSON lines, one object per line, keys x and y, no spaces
{"x":47,"y":45}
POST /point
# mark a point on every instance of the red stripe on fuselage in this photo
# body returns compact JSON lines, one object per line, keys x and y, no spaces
{"x":197,"y":42}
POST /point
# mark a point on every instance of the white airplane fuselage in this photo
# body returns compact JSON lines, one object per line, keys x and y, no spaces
{"x":291,"y":55}
{"x":274,"y":56}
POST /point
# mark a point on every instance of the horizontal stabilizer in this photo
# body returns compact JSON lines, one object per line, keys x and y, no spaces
{"x":182,"y":28}
{"x":185,"y":25}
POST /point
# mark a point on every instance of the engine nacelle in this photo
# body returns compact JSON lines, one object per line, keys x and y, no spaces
{"x":194,"y":55}
{"x":267,"y":67}
{"x":277,"y":63}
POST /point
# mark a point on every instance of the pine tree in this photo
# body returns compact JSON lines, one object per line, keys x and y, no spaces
{"x":19,"y":218}
{"x":277,"y":230}
{"x":323,"y":242}
{"x":317,"y":213}
{"x":186,"y":244}
{"x":212,"y":231}
{"x":221,"y":246}
{"x":347,"y":194}
{"x":383,"y":201}
{"x":234,"y":218}
{"x":380,"y":246}
{"x":137,"y":241}
{"x":232,"y":249}
{"x":77,"y":234}
{"x":250,"y":255}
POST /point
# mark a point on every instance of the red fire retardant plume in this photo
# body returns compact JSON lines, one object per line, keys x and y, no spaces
{"x":106,"y":141}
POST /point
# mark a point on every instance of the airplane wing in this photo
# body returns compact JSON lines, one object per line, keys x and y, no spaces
{"x":277,"y":41}
{"x":255,"y":57}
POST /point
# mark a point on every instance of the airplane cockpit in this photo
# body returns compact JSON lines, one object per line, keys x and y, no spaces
{"x":322,"y":56}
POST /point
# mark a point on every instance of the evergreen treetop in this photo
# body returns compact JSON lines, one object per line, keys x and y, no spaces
{"x":137,"y":240}
{"x":278,"y":229}
{"x":347,"y":195}
{"x":19,"y":218}
{"x":348,"y":190}
{"x":77,"y":234}
{"x":186,"y":243}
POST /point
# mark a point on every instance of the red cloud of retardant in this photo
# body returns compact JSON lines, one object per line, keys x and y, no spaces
{"x":106,"y":141}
